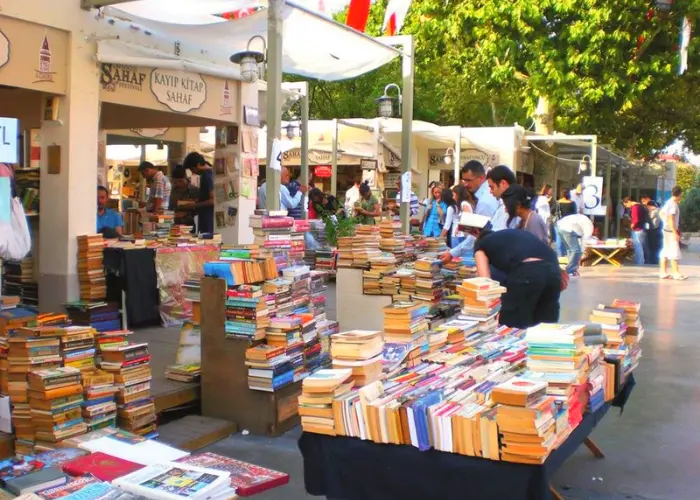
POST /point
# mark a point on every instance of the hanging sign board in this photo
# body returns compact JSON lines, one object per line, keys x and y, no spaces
{"x":593,"y":196}
{"x":180,"y":91}
{"x":9,"y":140}
{"x":4,"y":49}
{"x":323,"y":171}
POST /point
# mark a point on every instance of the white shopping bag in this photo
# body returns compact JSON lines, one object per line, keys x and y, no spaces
{"x":16,"y":242}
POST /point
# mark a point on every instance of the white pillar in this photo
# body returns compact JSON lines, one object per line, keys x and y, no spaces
{"x":69,"y":198}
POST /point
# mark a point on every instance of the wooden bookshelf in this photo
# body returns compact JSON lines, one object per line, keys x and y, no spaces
{"x":225,"y":392}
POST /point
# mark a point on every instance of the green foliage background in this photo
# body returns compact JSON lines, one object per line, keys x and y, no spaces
{"x":607,"y":67}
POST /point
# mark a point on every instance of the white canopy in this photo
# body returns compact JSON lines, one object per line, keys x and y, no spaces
{"x":313,"y":45}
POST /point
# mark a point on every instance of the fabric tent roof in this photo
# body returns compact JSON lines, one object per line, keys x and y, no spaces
{"x":313,"y":46}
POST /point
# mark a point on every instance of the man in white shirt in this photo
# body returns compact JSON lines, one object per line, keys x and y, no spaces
{"x":574,"y":231}
{"x":499,"y":179}
{"x":352,"y":196}
{"x":287,"y":201}
{"x":671,"y":250}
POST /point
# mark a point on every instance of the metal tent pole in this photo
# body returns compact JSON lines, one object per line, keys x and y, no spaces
{"x":305,"y":146}
{"x":407,"y":70}
{"x":608,"y":198}
{"x":274,"y":97}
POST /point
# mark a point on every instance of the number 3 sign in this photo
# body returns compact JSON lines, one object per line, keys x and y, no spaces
{"x":593,"y":196}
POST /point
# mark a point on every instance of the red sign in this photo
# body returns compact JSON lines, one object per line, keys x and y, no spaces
{"x":323,"y":171}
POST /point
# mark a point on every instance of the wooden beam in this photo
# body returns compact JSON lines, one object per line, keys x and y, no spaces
{"x":595,"y":449}
{"x":97,"y":4}
{"x":555,"y":494}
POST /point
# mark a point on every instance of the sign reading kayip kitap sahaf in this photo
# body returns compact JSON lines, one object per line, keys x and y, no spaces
{"x":32,"y":56}
{"x":169,"y":90}
{"x":178,"y":90}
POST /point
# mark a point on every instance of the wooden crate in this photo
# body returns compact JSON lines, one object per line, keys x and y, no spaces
{"x":225,"y":392}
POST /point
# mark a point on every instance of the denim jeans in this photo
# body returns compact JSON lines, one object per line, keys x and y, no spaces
{"x":559,"y":244}
{"x":639,"y":242}
{"x":572,"y":242}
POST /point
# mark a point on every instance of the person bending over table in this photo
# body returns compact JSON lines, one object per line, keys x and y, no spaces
{"x":534,"y":280}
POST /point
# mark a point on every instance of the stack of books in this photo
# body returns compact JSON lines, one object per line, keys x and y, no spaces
{"x":556,"y":355}
{"x":247,"y":314}
{"x":298,"y":245}
{"x":312,"y":344}
{"x":130,"y":366}
{"x":613,"y":323}
{"x":286,"y":332}
{"x":317,"y":289}
{"x":18,"y":279}
{"x":278,"y":296}
{"x":429,"y":280}
{"x":391,"y":239}
{"x":324,"y":330}
{"x":102,"y":316}
{"x":599,"y":392}
{"x":299,"y":278}
{"x":8,"y":301}
{"x":269,"y":368}
{"x":459,"y":329}
{"x":272,"y":231}
{"x":55,"y":398}
{"x":324,"y":259}
{"x":365,"y":245}
{"x":374,"y":278}
{"x":435,"y":245}
{"x":113,"y":338}
{"x":240,"y":272}
{"x":184,"y":373}
{"x":345,"y":251}
{"x":99,"y":404}
{"x":316,"y":406}
{"x":78,"y":347}
{"x":181,"y":235}
{"x":633,"y":319}
{"x":481,"y":301}
{"x":360,"y":351}
{"x":91,"y":275}
{"x":526,"y":421}
{"x":405,"y":321}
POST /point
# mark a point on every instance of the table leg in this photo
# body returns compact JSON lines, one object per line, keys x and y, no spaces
{"x":595,"y":449}
{"x":124,"y":322}
{"x":600,"y":257}
{"x":555,"y":494}
{"x":611,"y":258}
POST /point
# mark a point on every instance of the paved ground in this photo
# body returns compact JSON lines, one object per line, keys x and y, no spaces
{"x":652,"y":449}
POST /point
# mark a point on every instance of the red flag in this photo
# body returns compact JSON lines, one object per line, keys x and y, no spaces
{"x":395,"y":16}
{"x":358,"y":12}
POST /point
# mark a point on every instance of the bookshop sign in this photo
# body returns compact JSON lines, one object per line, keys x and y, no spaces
{"x":32,"y":56}
{"x":159,"y":89}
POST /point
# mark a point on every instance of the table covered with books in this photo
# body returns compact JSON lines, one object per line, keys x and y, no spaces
{"x":612,"y":251}
{"x":353,"y":469}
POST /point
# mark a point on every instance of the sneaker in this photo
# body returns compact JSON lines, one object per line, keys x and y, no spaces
{"x":664,"y":276}
{"x":574,"y":276}
{"x":679,"y":277}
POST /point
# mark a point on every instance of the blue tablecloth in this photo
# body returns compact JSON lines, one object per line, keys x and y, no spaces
{"x":351,"y":469}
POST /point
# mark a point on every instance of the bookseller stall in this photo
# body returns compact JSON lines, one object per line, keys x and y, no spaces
{"x":468,"y":403}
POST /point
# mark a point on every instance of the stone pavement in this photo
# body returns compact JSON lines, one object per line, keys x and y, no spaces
{"x":652,"y":450}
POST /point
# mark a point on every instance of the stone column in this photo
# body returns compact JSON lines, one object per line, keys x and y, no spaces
{"x":68,"y":198}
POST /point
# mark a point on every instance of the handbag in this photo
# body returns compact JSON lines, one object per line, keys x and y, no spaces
{"x":18,"y":241}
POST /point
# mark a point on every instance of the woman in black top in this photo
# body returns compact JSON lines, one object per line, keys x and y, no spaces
{"x":534,"y":277}
{"x":565,"y":206}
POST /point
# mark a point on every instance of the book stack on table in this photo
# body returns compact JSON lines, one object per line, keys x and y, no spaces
{"x":102,"y":316}
{"x":91,"y":274}
{"x":55,"y":399}
{"x":481,"y":301}
{"x":269,"y":368}
{"x":359,"y":351}
{"x":78,"y":347}
{"x":130,"y":366}
{"x":286,"y":332}
{"x":316,"y":406}
{"x":429,"y":281}
{"x":406,"y":328}
{"x":99,"y":403}
{"x":247,"y":314}
{"x":273,"y":231}
{"x":365,"y":245}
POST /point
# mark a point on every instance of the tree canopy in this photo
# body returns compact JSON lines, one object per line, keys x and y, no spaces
{"x":607,"y":67}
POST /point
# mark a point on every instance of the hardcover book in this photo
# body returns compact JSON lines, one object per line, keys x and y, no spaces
{"x":102,"y":466}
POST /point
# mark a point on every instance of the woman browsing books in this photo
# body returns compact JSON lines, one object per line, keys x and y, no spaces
{"x":532,"y":268}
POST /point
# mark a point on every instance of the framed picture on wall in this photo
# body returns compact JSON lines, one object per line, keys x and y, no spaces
{"x":251,"y":116}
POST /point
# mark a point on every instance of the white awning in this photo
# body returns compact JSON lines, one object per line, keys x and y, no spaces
{"x":313,"y":45}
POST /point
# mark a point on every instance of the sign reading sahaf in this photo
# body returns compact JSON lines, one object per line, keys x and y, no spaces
{"x":9,"y":140}
{"x":181,"y":92}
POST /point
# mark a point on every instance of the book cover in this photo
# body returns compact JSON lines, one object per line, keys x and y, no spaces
{"x":247,"y":479}
{"x":37,"y":480}
{"x":16,"y":467}
{"x":173,"y":481}
{"x":64,"y":490}
{"x":100,"y":465}
{"x":55,"y":458}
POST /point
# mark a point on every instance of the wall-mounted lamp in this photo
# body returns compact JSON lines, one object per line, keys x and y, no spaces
{"x":249,"y":61}
{"x":386,"y":102}
{"x":448,"y":157}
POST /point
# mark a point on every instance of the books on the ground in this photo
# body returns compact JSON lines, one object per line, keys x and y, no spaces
{"x":34,"y":481}
{"x":176,"y":481}
{"x":133,"y":448}
{"x":102,"y":466}
{"x":247,"y":479}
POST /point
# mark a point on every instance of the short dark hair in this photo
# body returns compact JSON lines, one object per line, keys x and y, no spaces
{"x":501,"y":173}
{"x":364,"y":188}
{"x":473,"y":166}
{"x":193,"y":160}
{"x":102,"y":188}
{"x":677,"y":191}
{"x":566,"y":193}
{"x":179,"y":172}
{"x":146,"y":164}
{"x":625,"y":199}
